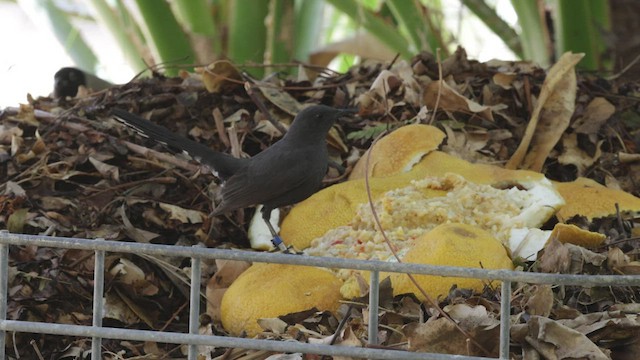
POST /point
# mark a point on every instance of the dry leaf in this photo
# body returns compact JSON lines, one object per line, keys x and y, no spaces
{"x":138,"y":235}
{"x":219,"y":75}
{"x":127,"y":272}
{"x":555,"y":258}
{"x":551,"y":115}
{"x":106,"y":170}
{"x":561,"y":342}
{"x":540,"y":300}
{"x":451,"y":100}
{"x":595,"y":115}
{"x":273,"y":325}
{"x":115,"y":308}
{"x":442,"y":336}
{"x":616,"y":258}
{"x":185,"y":216}
{"x":17,"y":220}
{"x":280,"y":98}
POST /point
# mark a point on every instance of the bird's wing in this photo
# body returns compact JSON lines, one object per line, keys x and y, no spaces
{"x":271,"y":177}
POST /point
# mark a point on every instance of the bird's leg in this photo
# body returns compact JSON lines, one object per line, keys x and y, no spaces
{"x":277,"y":241}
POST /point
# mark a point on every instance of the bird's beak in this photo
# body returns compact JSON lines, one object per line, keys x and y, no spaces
{"x":348,"y":112}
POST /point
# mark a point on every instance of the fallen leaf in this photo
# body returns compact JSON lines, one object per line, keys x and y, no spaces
{"x":219,"y":75}
{"x":616,"y":258}
{"x":185,"y":216}
{"x":273,"y":325}
{"x":451,"y":100}
{"x":134,"y":233}
{"x":106,"y":170}
{"x":555,"y":258}
{"x":280,"y":98}
{"x":540,"y":301}
{"x":562,"y":342}
{"x":551,"y":115}
{"x":596,"y":114}
{"x":17,"y":220}
{"x":443,"y":337}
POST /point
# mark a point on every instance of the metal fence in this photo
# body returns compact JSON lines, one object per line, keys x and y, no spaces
{"x":197,"y":254}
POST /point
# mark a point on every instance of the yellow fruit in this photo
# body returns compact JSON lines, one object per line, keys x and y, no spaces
{"x":336,"y":205}
{"x":567,"y":233}
{"x":272,"y":290}
{"x":588,"y":198}
{"x":451,"y":245}
{"x":399,"y":151}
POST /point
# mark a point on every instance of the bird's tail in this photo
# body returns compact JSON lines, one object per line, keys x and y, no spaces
{"x":222,"y":165}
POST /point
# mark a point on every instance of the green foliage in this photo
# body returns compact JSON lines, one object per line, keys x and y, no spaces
{"x":581,"y":26}
{"x":368,"y":133}
{"x":257,"y":32}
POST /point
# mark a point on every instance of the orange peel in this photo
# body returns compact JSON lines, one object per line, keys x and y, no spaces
{"x":452,"y":244}
{"x":272,"y":290}
{"x":336,"y":205}
{"x":399,"y":151}
{"x":588,"y":198}
{"x":566,"y":233}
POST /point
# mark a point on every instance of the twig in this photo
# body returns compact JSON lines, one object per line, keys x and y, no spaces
{"x":35,"y":348}
{"x":174,"y":316}
{"x":435,"y":107}
{"x":624,"y":70}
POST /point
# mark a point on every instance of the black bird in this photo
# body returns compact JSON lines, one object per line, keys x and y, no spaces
{"x":288,"y":172}
{"x":67,"y":80}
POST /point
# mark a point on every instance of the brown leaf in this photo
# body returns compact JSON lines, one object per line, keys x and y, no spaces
{"x":595,"y":115}
{"x":551,"y":115}
{"x":441,"y":336}
{"x":106,"y":170}
{"x":185,"y":216}
{"x":219,"y":75}
{"x":273,"y":325}
{"x":451,"y":100}
{"x":616,"y":258}
{"x":134,"y":233}
{"x":555,"y":258}
{"x":562,"y":342}
{"x":540,"y":300}
{"x":282,"y":99}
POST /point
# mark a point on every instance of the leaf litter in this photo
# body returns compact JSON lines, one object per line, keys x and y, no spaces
{"x":68,"y":170}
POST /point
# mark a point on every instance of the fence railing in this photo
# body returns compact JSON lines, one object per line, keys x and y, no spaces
{"x":97,"y":332}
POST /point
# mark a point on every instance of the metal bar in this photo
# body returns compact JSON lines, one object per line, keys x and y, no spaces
{"x":505,"y":319}
{"x":4,"y":278}
{"x":368,"y":265}
{"x":194,"y":304}
{"x":374,"y":301}
{"x":98,"y":294}
{"x":222,"y":341}
{"x":194,"y":339}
